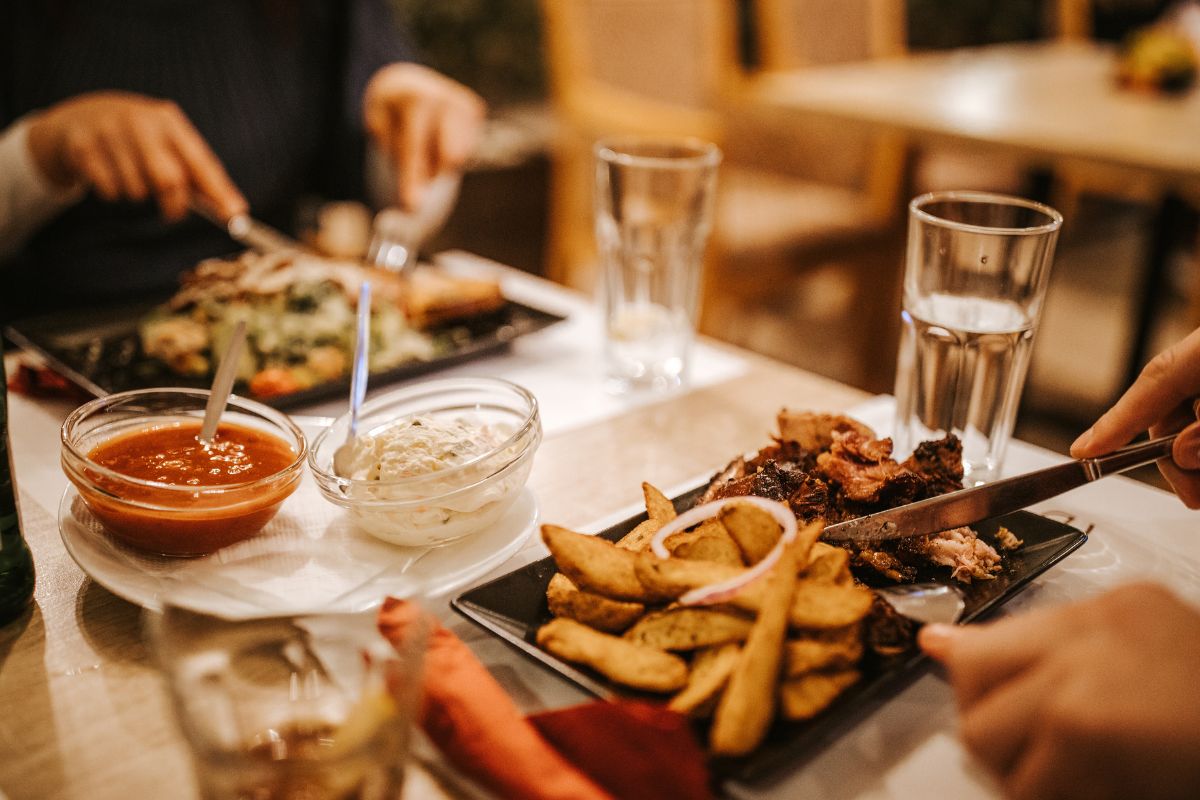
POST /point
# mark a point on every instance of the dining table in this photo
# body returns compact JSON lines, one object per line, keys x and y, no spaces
{"x":84,"y":713}
{"x":1050,"y":105}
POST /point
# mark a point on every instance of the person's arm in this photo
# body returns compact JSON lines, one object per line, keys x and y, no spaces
{"x":28,"y":199}
{"x":1164,"y":399}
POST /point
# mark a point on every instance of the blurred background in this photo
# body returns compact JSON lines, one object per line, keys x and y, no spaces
{"x":806,"y":254}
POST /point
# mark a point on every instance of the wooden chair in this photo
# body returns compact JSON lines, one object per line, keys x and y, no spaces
{"x":785,"y":206}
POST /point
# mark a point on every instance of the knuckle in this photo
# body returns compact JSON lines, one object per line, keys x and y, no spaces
{"x":1162,"y":368}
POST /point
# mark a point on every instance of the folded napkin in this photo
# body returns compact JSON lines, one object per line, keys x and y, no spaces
{"x":590,"y":752}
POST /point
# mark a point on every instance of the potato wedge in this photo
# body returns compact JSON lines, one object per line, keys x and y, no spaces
{"x":815,"y":606}
{"x":828,"y":564}
{"x":710,"y":672}
{"x":811,"y":654}
{"x":716,"y":549}
{"x":755,"y":531}
{"x":634,"y":665}
{"x":639,"y":538}
{"x":747,"y":706}
{"x":658,"y":506}
{"x":824,"y":606}
{"x":611,"y":616}
{"x":596,"y":565}
{"x":807,"y":696}
{"x":671,"y":577}
{"x":689,"y":628}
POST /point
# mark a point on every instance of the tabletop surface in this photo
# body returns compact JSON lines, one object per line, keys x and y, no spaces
{"x":85,"y":715}
{"x":1052,"y":100}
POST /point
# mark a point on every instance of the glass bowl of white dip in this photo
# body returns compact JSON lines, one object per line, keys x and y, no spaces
{"x":432,"y":462}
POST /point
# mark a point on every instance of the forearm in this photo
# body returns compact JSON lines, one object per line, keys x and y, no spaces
{"x":28,"y":199}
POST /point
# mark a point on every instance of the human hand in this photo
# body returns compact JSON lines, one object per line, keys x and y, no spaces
{"x":1091,"y":700}
{"x":1164,"y":399}
{"x":129,"y":146}
{"x":425,"y":121}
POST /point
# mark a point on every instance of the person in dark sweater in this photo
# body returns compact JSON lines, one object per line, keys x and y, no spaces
{"x":115,"y":117}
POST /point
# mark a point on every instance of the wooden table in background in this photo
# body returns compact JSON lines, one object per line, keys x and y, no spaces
{"x":1054,"y":105}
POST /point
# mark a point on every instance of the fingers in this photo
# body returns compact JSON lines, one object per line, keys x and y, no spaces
{"x":414,"y":152}
{"x":428,"y":124}
{"x":998,"y":727}
{"x":1168,"y":380}
{"x":123,"y":160}
{"x":166,"y":175}
{"x":980,"y":657}
{"x":1183,"y":470}
{"x":208,"y":176}
{"x":128,"y":146}
{"x":90,"y":163}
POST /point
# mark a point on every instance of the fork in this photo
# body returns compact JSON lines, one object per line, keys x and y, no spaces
{"x":398,"y":234}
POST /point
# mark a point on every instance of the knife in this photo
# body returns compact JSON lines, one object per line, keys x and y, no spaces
{"x":968,"y":506}
{"x":245,"y":229}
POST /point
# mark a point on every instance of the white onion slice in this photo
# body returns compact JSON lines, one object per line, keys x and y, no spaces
{"x":723,"y":590}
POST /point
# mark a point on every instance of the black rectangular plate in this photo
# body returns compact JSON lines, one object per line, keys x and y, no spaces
{"x":99,"y":351}
{"x":513,"y":607}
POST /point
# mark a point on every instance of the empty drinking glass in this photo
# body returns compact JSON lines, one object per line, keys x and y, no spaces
{"x":974,"y":282}
{"x":310,"y":707}
{"x":654,"y":208}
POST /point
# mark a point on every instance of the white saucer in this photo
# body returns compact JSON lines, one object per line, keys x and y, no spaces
{"x":310,"y":557}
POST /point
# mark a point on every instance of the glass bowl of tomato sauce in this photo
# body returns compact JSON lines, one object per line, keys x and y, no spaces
{"x":138,"y":464}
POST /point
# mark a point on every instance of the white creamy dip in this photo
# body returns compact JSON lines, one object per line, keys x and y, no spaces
{"x":421,"y":445}
{"x":426,"y":480}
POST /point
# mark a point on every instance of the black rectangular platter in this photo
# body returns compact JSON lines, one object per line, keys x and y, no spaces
{"x":513,"y":607}
{"x":99,"y":350}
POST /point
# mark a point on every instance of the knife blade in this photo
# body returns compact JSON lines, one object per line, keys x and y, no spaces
{"x":244,"y":229}
{"x":968,"y":506}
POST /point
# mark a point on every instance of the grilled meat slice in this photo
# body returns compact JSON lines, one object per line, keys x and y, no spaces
{"x":888,"y":632}
{"x":864,"y":471}
{"x":733,"y":471}
{"x":812,"y":500}
{"x":814,"y":432}
{"x":968,"y":557}
{"x":939,"y":462}
{"x":881,"y":562}
{"x":786,"y":452}
{"x":773,"y":481}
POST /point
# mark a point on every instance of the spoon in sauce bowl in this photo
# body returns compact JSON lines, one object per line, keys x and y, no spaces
{"x":222,"y":385}
{"x":343,"y":457}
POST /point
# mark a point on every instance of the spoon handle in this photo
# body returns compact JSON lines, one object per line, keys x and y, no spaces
{"x":358,"y":377}
{"x":222,"y":384}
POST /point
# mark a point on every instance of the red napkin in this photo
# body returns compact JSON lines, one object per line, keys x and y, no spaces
{"x":590,"y":752}
{"x":33,"y":380}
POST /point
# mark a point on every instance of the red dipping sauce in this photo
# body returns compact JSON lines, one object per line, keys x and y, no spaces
{"x":175,"y":496}
{"x":173,"y":454}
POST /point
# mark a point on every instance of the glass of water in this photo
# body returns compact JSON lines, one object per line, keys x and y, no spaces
{"x":974,"y":283}
{"x":654,"y":209}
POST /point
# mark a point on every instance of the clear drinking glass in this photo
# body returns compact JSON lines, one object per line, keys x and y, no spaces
{"x":312,"y":707}
{"x":654,"y":209}
{"x":974,"y":282}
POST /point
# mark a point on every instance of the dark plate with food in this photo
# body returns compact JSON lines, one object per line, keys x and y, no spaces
{"x":299,"y":311}
{"x":591,"y":613}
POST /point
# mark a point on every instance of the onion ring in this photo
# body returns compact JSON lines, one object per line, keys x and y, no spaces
{"x":723,"y":590}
